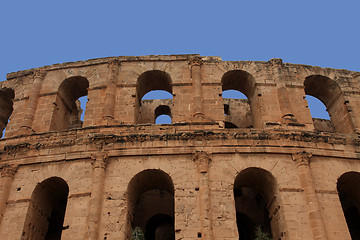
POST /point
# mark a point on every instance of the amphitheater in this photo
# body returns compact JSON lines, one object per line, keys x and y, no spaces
{"x":220,"y":169}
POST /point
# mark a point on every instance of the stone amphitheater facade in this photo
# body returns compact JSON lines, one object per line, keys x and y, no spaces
{"x":221,"y":169}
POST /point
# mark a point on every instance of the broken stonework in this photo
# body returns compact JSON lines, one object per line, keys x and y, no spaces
{"x":222,"y":168}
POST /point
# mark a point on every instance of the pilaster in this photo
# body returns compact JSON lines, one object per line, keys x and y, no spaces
{"x":7,"y":172}
{"x":202,"y":160}
{"x":110,"y":97}
{"x":38,"y":77}
{"x":196,"y":78}
{"x":302,"y":159}
{"x":99,"y":165}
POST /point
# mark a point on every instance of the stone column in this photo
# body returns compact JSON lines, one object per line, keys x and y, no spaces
{"x":196,"y":78}
{"x":26,"y":127}
{"x":111,"y":85}
{"x":283,"y":94}
{"x":97,"y":194}
{"x":202,"y":160}
{"x":312,"y":203}
{"x":7,"y":176}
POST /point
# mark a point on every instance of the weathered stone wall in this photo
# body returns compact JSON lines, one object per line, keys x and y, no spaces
{"x":195,"y":178}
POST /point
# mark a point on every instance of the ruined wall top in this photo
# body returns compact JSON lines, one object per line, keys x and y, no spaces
{"x":177,"y":57}
{"x":45,"y":99}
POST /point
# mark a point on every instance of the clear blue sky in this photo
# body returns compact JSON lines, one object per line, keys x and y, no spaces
{"x":37,"y":33}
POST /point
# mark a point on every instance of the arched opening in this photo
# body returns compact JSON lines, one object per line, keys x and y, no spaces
{"x":160,"y":226}
{"x":254,"y":193}
{"x":154,"y":89}
{"x":157,"y":94}
{"x":349,"y":195}
{"x":151,"y":204}
{"x":68,"y":108}
{"x":329,"y":93}
{"x":237,"y":90}
{"x":6,"y":105}
{"x":46,"y":212}
{"x":317,"y":108}
{"x":163,"y":115}
{"x":83,"y":100}
{"x":319,"y":114}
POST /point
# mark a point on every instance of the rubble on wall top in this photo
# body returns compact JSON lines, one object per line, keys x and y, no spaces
{"x":175,"y":57}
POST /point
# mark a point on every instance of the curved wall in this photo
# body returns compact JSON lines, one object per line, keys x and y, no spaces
{"x":99,"y":156}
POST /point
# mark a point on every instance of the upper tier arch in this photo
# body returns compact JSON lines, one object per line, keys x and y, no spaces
{"x":274,"y":89}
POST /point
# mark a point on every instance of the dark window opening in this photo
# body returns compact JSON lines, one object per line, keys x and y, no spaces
{"x":253,"y":188}
{"x":151,"y":204}
{"x":226,"y":109}
{"x":6,"y":105}
{"x":349,"y":195}
{"x":246,"y":228}
{"x":56,"y":220}
{"x":46,"y":213}
{"x":160,"y":226}
{"x":163,"y":115}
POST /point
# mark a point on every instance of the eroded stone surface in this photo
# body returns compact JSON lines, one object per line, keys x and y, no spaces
{"x":257,"y":162}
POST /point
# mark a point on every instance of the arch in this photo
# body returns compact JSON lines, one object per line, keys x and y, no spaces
{"x":317,"y":108}
{"x":255,"y":196}
{"x":162,"y":110}
{"x":234,"y":94}
{"x":349,"y":195}
{"x":46,"y":212}
{"x":160,"y":226}
{"x":6,"y":105}
{"x":246,"y":228}
{"x":239,"y":80}
{"x":330,"y":94}
{"x":67,"y":112}
{"x":154,"y":81}
{"x":157,"y":94}
{"x":151,"y":203}
{"x":238,"y":89}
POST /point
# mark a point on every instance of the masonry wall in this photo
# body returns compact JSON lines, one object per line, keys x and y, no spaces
{"x":291,"y":161}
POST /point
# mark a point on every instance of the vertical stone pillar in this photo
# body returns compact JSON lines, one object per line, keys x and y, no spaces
{"x":202,"y":160}
{"x":97,"y":191}
{"x":7,"y":176}
{"x":283,"y":95}
{"x":26,"y":127}
{"x":110,"y":97}
{"x":196,"y":78}
{"x":312,"y":203}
